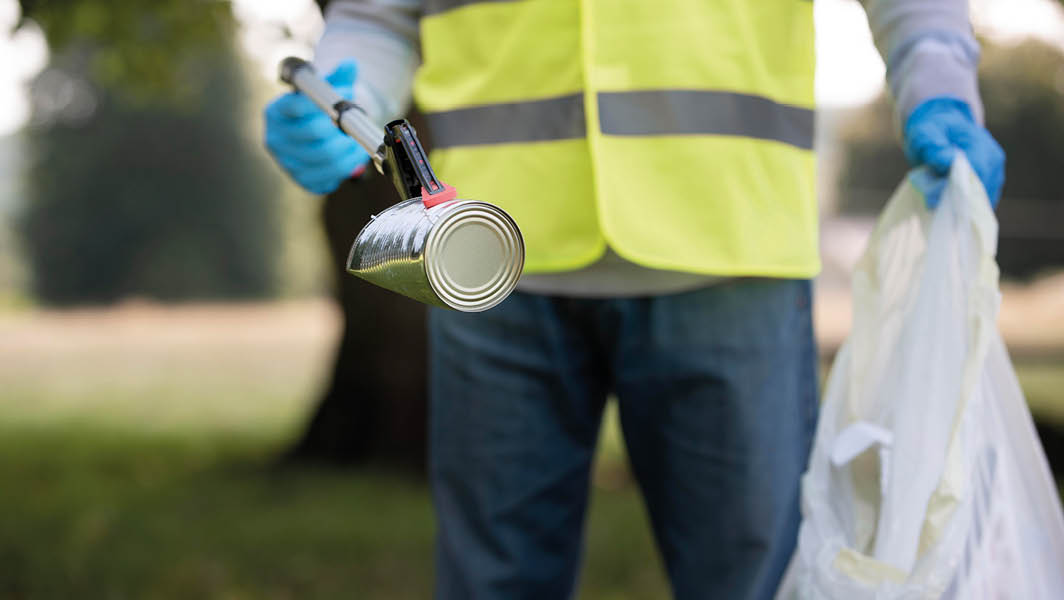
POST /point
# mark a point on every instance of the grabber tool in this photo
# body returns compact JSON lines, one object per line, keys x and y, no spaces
{"x":432,"y":246}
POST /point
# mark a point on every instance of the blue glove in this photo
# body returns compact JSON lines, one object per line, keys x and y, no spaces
{"x":307,"y":144}
{"x":935,"y":131}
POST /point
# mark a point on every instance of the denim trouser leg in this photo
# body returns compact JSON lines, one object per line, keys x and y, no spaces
{"x":717,"y":393}
{"x":718,"y":403}
{"x":516,"y":401}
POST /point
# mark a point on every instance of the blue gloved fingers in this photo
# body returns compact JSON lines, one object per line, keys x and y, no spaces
{"x":310,"y":151}
{"x":987,"y":160}
{"x":929,"y":183}
{"x":940,"y":127}
{"x":330,"y":150}
{"x":305,"y":131}
{"x":338,"y":162}
{"x":931,"y":147}
{"x":307,"y":144}
{"x":292,"y":167}
{"x":995,"y":182}
{"x":343,"y":77}
{"x":341,"y":166}
{"x":323,"y":179}
{"x":292,"y":106}
{"x":312,"y":129}
{"x":326,"y":178}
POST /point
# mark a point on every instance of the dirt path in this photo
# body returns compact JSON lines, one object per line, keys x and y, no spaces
{"x":1031,"y":318}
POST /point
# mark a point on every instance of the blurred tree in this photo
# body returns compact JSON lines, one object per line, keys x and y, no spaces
{"x":142,"y":180}
{"x":1023,"y":93}
{"x":375,"y":408}
{"x":1023,"y":89}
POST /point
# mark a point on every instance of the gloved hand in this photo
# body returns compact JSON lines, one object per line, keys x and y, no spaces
{"x":307,"y":144}
{"x":935,"y":131}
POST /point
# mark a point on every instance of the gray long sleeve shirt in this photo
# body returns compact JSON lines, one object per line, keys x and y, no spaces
{"x":927,"y":45}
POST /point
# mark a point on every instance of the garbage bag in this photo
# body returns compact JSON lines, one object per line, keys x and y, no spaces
{"x":927,"y":479}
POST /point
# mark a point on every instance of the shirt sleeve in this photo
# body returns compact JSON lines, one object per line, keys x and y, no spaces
{"x":382,"y":38}
{"x":929,"y":49}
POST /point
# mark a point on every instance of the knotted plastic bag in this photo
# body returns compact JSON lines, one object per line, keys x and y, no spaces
{"x":927,"y":479}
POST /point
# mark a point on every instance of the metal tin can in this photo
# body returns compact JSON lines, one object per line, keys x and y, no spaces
{"x":461,"y":254}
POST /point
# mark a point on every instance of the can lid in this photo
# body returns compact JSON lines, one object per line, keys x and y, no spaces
{"x":474,"y":255}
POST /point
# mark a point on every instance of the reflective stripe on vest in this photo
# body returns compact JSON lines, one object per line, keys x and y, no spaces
{"x":693,"y":112}
{"x":644,"y":112}
{"x":678,"y":132}
{"x":510,"y":122}
{"x":433,"y":7}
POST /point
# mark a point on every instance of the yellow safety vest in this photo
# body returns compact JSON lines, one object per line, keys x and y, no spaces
{"x":679,"y":132}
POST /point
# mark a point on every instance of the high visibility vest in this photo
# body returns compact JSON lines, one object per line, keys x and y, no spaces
{"x":678,"y":132}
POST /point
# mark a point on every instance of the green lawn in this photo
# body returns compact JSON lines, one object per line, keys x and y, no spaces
{"x":116,"y":515}
{"x":136,"y":463}
{"x":1043,"y":386}
{"x":113,"y":514}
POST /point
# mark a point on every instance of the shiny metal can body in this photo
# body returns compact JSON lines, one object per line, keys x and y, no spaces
{"x":460,"y":254}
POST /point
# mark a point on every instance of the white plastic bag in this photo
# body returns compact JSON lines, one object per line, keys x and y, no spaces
{"x":927,"y":479}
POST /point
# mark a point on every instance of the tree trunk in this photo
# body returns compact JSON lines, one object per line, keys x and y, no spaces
{"x":374,"y":409}
{"x":1052,"y":436}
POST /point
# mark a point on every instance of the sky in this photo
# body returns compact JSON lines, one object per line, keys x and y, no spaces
{"x":271,"y":30}
{"x":23,"y":54}
{"x":849,"y":70}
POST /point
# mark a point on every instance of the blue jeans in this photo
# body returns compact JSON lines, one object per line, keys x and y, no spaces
{"x":717,"y":394}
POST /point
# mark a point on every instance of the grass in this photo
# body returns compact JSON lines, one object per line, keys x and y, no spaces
{"x":124,"y":516}
{"x":111,"y":514}
{"x":138,"y":462}
{"x":1043,"y":386}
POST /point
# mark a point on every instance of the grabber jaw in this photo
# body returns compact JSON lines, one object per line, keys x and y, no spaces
{"x":409,"y":166}
{"x":459,"y":254}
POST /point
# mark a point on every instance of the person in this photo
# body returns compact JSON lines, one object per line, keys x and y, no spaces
{"x":658,"y":157}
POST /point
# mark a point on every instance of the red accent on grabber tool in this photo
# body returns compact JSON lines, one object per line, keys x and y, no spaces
{"x":447,"y":193}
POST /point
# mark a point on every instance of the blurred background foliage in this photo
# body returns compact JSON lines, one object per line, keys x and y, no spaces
{"x":148,"y":51}
{"x":141,"y":179}
{"x":1023,"y":95}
